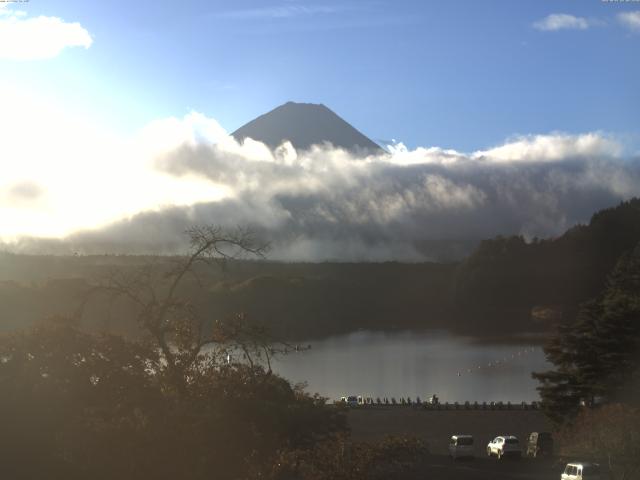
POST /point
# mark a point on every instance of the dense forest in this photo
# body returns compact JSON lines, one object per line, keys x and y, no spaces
{"x":508,"y":280}
{"x":507,"y":285}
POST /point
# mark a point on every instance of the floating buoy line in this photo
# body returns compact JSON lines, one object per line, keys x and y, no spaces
{"x":507,"y":359}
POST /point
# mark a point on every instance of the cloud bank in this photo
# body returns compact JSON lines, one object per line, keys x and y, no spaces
{"x":410,"y":205}
{"x":37,"y":38}
{"x":324,"y":204}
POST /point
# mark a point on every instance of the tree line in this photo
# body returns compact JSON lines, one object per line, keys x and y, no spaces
{"x":500,"y":287}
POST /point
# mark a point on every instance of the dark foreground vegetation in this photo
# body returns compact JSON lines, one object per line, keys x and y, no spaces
{"x":507,"y":286}
{"x":78,"y":406}
{"x":186,"y":399}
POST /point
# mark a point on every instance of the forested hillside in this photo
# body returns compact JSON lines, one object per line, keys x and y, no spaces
{"x":507,"y":284}
{"x":507,"y":278}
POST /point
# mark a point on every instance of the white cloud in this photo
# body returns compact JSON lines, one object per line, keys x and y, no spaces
{"x":528,"y":148}
{"x":37,"y":38}
{"x":630,"y":20}
{"x":562,"y":21}
{"x":550,"y":148}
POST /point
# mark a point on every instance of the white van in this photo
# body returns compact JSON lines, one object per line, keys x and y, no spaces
{"x":581,"y":471}
{"x":461,"y":446}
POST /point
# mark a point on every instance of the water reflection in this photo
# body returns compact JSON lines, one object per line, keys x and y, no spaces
{"x":416,"y":364}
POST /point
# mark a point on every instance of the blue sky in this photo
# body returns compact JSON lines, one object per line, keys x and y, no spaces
{"x":464,"y":75}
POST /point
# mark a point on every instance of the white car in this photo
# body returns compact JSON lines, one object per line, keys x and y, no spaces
{"x":581,"y":471}
{"x":503,"y":446}
{"x":461,"y":446}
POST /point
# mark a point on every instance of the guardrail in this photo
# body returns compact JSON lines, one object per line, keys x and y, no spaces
{"x":408,"y":402}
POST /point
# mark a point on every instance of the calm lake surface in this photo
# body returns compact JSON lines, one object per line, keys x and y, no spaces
{"x":416,"y":364}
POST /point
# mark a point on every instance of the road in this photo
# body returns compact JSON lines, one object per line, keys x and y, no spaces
{"x":441,"y":467}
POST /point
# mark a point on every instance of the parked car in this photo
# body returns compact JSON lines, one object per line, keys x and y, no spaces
{"x":504,"y":446}
{"x":540,"y":444}
{"x":582,"y":471}
{"x":461,"y":446}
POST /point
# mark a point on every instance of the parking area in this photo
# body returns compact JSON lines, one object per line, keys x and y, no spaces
{"x":436,"y":427}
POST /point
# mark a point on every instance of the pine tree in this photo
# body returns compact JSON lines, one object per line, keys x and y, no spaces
{"x":596,"y":358}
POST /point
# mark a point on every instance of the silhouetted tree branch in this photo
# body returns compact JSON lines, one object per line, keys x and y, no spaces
{"x":171,"y":318}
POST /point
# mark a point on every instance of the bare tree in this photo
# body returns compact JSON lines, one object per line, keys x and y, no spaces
{"x":171,"y":318}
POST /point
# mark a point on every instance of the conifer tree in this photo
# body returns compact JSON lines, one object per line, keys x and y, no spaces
{"x":596,"y":358}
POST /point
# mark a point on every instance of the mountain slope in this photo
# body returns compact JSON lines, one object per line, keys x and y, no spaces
{"x":304,"y":125}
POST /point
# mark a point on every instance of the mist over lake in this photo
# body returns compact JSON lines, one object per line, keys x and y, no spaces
{"x":414,"y":364}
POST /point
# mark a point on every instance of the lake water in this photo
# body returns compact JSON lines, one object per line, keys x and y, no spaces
{"x":416,"y":364}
